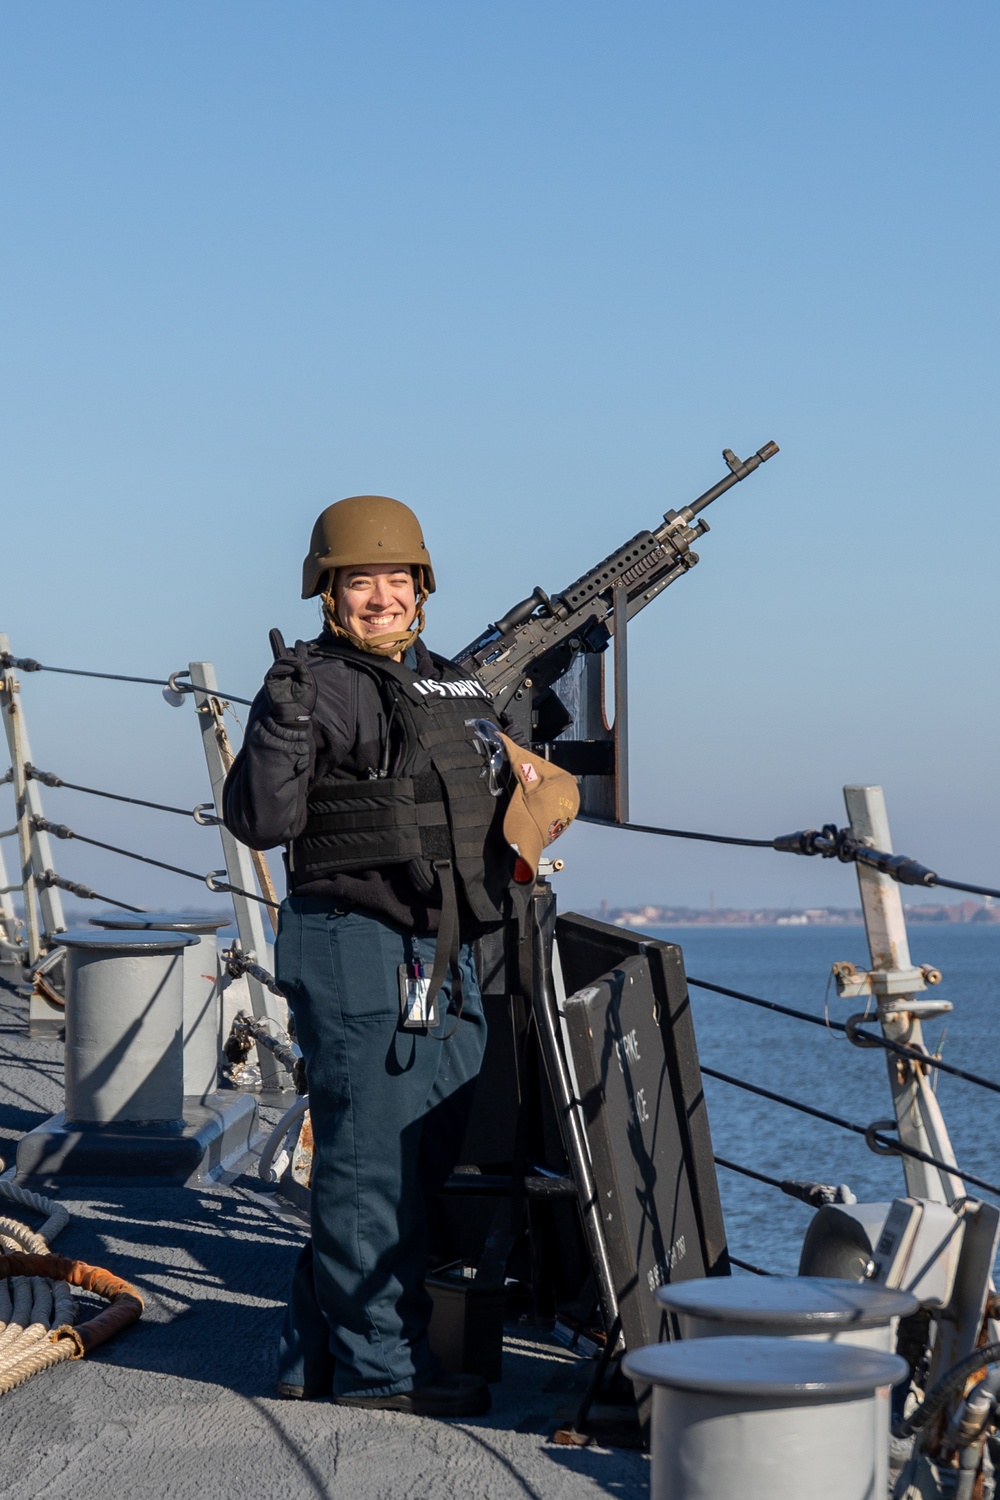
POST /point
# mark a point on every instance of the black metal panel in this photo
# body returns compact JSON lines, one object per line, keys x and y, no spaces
{"x":583,"y":757}
{"x":629,"y":1022}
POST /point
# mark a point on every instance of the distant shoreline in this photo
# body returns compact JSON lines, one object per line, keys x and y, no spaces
{"x":784,"y":926}
{"x":957,"y":914}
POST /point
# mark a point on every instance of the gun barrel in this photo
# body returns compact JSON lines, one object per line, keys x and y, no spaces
{"x":538,"y":626}
{"x":739,"y":471}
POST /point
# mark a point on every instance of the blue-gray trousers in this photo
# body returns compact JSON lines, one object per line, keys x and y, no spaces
{"x":389,"y":1110}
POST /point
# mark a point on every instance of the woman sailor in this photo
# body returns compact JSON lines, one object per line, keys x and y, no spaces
{"x":363,"y":758}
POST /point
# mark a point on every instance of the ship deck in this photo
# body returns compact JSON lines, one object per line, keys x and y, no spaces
{"x":183,"y":1404}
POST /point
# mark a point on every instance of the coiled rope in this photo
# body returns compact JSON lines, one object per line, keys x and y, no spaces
{"x":36,"y":1319}
{"x":38,"y":1330}
{"x":57,"y":1216}
{"x":37,"y":1306}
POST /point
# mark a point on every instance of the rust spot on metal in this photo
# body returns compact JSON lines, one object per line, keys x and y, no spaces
{"x":302,"y":1157}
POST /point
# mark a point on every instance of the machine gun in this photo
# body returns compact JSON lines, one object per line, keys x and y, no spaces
{"x":545,"y":640}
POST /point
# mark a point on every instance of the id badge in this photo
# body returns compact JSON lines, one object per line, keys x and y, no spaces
{"x":417,"y":1011}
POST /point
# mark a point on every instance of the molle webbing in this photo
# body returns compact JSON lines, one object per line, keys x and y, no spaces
{"x":354,"y":825}
{"x":436,"y":811}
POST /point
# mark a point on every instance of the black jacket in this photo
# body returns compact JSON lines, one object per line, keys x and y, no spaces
{"x":264,"y":798}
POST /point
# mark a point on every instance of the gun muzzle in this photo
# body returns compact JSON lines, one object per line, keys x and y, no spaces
{"x":739,"y":468}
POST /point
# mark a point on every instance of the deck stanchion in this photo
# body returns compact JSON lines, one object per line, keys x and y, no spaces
{"x":33,"y":847}
{"x":895,"y":983}
{"x":240,"y":869}
{"x":8,"y":917}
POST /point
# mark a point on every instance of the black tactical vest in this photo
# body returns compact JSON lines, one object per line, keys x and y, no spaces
{"x":435,"y":809}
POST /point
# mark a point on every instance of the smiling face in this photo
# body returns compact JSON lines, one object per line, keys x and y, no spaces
{"x":373,"y":599}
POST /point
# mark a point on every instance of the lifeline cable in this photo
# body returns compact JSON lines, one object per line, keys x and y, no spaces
{"x":678,"y":833}
{"x":28,"y":664}
{"x":746,"y":1265}
{"x":49,"y":778}
{"x":871,"y":1133}
{"x":85,"y":892}
{"x":806,"y":1192}
{"x":782,"y":1010}
{"x":720,"y":1161}
{"x":812,"y":1193}
{"x":901,"y":1049}
{"x":858,"y":1037}
{"x":60,"y":831}
{"x":830,"y":842}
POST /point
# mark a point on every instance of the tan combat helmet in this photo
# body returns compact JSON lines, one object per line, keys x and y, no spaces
{"x":365,"y":529}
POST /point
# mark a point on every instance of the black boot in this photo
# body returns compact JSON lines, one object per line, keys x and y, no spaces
{"x":447,"y":1396}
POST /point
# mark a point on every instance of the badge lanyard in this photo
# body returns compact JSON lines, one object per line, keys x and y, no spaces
{"x":417,"y":1012}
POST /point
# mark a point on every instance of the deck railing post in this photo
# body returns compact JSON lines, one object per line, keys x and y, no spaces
{"x":895,"y":984}
{"x":34,"y":847}
{"x":239,"y":868}
{"x":11,"y":948}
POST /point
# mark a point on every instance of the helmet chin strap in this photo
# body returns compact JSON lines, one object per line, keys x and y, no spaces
{"x":388,"y":643}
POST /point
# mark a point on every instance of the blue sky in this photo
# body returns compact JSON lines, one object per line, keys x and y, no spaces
{"x":529,"y":267}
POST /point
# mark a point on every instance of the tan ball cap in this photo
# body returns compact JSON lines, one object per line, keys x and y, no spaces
{"x":365,"y":529}
{"x":546,"y":799}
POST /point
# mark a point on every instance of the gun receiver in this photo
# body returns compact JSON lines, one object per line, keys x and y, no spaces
{"x":535,"y":642}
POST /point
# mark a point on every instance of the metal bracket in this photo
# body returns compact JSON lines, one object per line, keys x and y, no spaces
{"x":852,"y":981}
{"x":915,"y":1010}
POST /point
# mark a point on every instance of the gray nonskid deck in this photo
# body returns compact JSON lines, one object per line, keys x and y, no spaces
{"x":183,"y":1404}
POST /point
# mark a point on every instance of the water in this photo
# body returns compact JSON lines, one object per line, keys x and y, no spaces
{"x":792,"y":965}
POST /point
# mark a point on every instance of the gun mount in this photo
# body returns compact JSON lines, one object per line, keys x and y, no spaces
{"x":543,"y":640}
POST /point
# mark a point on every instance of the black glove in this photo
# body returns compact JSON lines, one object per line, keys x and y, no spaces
{"x":291,"y":688}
